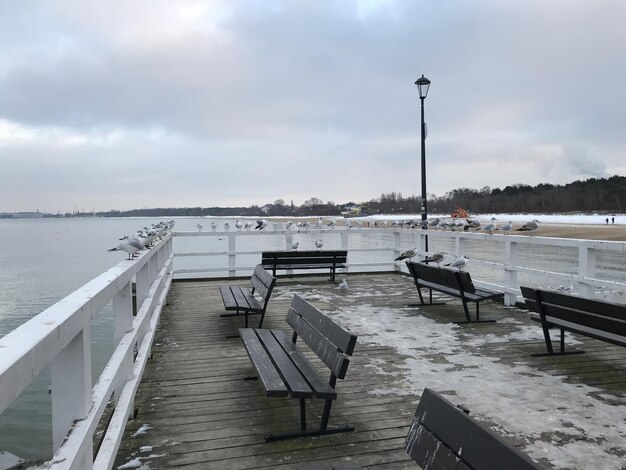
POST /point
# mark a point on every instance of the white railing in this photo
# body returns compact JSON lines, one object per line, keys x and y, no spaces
{"x":60,"y":337}
{"x":500,"y":254}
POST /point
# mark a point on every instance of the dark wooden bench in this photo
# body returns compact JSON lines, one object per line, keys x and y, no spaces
{"x":593,"y":318}
{"x":242,"y":299}
{"x":284,"y":370}
{"x":444,"y":436}
{"x":314,"y":259}
{"x":454,"y":283}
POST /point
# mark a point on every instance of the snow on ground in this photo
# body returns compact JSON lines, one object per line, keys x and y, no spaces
{"x":583,"y":431}
{"x":571,"y":425}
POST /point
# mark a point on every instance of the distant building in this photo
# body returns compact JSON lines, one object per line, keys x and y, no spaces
{"x":21,"y":215}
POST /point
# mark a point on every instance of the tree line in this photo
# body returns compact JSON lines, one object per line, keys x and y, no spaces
{"x":591,"y":195}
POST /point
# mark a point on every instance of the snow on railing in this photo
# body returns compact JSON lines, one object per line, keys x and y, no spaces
{"x":60,"y":337}
{"x":496,"y":261}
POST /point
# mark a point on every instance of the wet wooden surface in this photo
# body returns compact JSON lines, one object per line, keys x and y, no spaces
{"x":196,"y":411}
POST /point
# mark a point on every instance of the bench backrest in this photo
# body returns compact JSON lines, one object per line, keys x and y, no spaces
{"x":442,"y":276}
{"x":332,"y":343}
{"x":596,"y":314}
{"x":467,"y":445}
{"x":269,"y":258}
{"x":262,"y":282}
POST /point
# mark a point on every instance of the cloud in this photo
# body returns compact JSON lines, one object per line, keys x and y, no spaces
{"x":215,"y":99}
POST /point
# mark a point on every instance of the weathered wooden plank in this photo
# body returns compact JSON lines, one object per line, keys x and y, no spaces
{"x":320,"y":386}
{"x":290,"y":373}
{"x":271,"y":379}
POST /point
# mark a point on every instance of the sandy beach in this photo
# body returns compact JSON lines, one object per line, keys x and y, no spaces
{"x":584,"y":231}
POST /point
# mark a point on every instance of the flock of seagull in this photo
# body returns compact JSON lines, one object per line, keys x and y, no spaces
{"x":457,"y":262}
{"x":143,"y":239}
{"x":467,"y":224}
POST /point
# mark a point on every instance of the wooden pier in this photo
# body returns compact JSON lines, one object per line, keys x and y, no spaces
{"x":194,"y":410}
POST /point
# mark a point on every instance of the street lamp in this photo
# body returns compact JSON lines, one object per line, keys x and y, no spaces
{"x":422,"y":85}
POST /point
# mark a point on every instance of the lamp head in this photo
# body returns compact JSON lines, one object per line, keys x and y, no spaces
{"x":422,"y":85}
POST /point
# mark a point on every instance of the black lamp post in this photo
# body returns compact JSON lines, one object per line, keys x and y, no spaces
{"x":422,"y":85}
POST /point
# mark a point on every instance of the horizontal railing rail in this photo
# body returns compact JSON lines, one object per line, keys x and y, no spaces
{"x":60,"y":337}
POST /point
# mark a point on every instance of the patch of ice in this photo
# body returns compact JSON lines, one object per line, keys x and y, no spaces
{"x":145,"y":449}
{"x":134,"y":463}
{"x":524,"y":401}
{"x":142,"y":430}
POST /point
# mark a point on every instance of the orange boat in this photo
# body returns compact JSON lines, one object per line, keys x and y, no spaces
{"x":460,"y":213}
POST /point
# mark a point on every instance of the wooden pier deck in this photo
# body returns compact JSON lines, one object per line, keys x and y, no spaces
{"x":196,"y":411}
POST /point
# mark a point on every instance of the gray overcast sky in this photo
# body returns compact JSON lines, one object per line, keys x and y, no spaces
{"x":127,"y":104}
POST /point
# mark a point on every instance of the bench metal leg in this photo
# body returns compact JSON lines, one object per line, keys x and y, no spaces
{"x":430,"y":299}
{"x":467,"y":315}
{"x":562,"y":352}
{"x":323,"y":429}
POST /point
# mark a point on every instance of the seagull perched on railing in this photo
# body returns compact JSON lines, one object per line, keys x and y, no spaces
{"x":529,"y":226}
{"x":213,"y":226}
{"x":260,"y":224}
{"x":408,"y":254}
{"x":238,"y":225}
{"x":506,"y":228}
{"x":435,"y":258}
{"x":129,"y":245}
{"x":490,"y":227}
{"x":319,"y":244}
{"x":288,"y":225}
{"x":295,"y":245}
{"x":458,"y":262}
{"x":331,"y":223}
{"x":199,"y":227}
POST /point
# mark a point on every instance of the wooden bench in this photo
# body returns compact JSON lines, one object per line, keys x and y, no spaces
{"x":454,"y":283}
{"x":444,"y":436}
{"x":242,"y":298}
{"x":285,"y":371}
{"x":593,"y":318}
{"x":317,"y":259}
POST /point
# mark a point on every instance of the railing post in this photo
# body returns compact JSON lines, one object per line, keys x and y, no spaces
{"x":586,"y":269}
{"x":71,"y":384}
{"x":122,"y":324}
{"x":232,"y":257}
{"x":510,"y":272}
{"x":459,"y":245}
{"x":397,"y":250}
{"x":344,"y":246}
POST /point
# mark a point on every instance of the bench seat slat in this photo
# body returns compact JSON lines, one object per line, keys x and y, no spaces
{"x":603,"y":335}
{"x":272,"y":381}
{"x":587,"y":319}
{"x":321,"y":265}
{"x":319,"y":385}
{"x":228,"y":298}
{"x":284,"y":364}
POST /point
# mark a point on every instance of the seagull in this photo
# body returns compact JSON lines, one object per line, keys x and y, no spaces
{"x":213,"y":226}
{"x":443,"y":225}
{"x":331,"y":223}
{"x":128,"y":247}
{"x":295,"y":245}
{"x":473,"y":223}
{"x":434,"y":223}
{"x":458,"y":262}
{"x":343,"y":285}
{"x":529,"y":226}
{"x":407,"y":254}
{"x":319,"y":244}
{"x":288,"y":225}
{"x":238,"y":224}
{"x":435,"y":258}
{"x":424,"y":223}
{"x":348,"y":224}
{"x":247,"y":225}
{"x":260,"y":224}
{"x":199,"y":227}
{"x":226,"y":226}
{"x":506,"y":228}
{"x":490,"y":227}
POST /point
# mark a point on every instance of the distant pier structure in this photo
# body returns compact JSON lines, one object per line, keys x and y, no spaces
{"x":21,"y":215}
